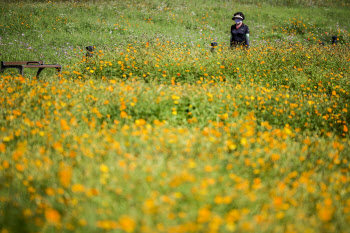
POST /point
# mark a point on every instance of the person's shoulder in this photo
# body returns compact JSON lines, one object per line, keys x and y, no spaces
{"x":245,"y":27}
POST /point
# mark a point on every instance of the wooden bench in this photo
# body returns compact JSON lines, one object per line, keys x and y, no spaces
{"x":20,"y":65}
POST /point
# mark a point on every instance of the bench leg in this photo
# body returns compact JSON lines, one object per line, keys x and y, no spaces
{"x":39,"y":71}
{"x":59,"y":72}
{"x":20,"y":69}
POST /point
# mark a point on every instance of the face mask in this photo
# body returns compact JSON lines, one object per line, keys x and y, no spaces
{"x":238,"y":21}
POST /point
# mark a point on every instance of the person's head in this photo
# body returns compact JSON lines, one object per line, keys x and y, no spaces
{"x":238,"y":17}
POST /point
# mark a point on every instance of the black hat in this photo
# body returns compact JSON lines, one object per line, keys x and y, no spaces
{"x":238,"y":15}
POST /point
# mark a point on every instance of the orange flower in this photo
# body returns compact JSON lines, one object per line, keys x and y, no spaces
{"x":19,"y":167}
{"x":275,"y":157}
{"x":277,"y":201}
{"x":204,"y":215}
{"x":123,"y":114}
{"x":5,"y":164}
{"x":65,"y":175}
{"x":64,"y":125}
{"x":325,"y":213}
{"x":52,"y":216}
{"x":92,"y":192}
{"x":9,"y":90}
{"x":2,"y":147}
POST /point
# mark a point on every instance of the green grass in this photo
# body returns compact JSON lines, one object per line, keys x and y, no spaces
{"x":157,"y":133}
{"x":53,"y":30}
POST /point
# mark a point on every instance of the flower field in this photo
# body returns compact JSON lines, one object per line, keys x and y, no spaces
{"x":158,"y":132}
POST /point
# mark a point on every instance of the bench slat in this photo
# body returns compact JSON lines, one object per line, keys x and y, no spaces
{"x":41,"y":66}
{"x":11,"y":63}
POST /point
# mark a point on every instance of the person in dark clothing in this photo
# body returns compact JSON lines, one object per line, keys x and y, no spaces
{"x":239,"y":31}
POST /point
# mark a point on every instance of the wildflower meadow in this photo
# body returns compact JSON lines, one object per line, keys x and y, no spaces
{"x":155,"y":130}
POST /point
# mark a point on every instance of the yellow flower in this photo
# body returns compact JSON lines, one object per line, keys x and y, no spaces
{"x":247,"y":226}
{"x":78,"y":188}
{"x":233,"y":216}
{"x":27,"y":213}
{"x":127,"y":224}
{"x":104,"y":168}
{"x":82,"y":222}
{"x":50,"y":191}
{"x":150,"y":207}
{"x":244,"y":141}
{"x":107,"y":224}
{"x":280,"y":215}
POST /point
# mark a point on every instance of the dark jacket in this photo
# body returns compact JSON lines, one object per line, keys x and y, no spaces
{"x":238,"y":36}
